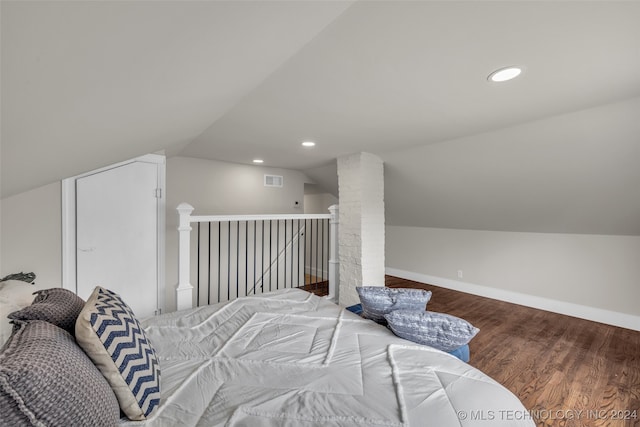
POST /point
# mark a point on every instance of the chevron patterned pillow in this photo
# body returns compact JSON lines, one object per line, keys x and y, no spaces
{"x":108,"y":331}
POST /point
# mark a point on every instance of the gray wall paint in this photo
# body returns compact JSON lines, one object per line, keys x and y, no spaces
{"x":547,"y":208}
{"x":591,"y":270}
{"x":326,"y":177}
{"x":31,"y":234}
{"x":31,"y":238}
{"x":573,"y":173}
{"x":319,"y":203}
{"x":594,"y":270}
{"x":222,"y":188}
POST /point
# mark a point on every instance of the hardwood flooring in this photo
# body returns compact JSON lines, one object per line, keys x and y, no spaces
{"x":316,"y":285}
{"x":319,"y":288}
{"x":568,"y":372}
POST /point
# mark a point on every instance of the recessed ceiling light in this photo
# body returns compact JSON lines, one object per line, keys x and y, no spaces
{"x":258,"y":161}
{"x":504,"y":74}
{"x":308,"y":144}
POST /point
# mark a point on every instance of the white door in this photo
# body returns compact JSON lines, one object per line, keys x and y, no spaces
{"x":117,"y":233}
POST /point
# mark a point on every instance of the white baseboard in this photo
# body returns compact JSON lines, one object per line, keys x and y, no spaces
{"x":608,"y":317}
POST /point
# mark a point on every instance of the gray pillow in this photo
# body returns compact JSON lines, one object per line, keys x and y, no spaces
{"x":46,"y":379}
{"x":57,"y":305}
{"x":439,"y":330}
{"x":380,"y":300}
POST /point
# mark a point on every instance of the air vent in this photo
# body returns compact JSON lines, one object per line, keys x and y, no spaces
{"x":273,"y":181}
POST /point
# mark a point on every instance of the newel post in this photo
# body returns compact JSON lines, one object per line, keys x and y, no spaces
{"x":184,"y":291}
{"x":334,"y":263}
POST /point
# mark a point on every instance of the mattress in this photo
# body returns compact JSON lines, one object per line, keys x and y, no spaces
{"x":290,"y":358}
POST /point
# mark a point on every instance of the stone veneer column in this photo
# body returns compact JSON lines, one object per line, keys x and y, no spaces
{"x":361,"y":235}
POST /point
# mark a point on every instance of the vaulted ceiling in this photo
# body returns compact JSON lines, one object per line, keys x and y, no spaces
{"x":85,"y":84}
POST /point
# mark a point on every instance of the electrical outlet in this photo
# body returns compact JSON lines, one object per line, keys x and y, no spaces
{"x":460,"y":275}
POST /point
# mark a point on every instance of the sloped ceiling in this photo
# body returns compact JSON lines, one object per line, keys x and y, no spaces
{"x":571,"y":173}
{"x":88,"y":84}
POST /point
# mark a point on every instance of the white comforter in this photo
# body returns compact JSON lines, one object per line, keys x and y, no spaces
{"x":290,"y":358}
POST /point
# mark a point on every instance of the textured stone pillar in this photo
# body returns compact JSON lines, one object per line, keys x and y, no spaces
{"x":361,"y":239}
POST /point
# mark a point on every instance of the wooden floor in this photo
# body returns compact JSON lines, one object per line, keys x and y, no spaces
{"x":568,"y":372}
{"x":319,"y":288}
{"x":316,"y":285}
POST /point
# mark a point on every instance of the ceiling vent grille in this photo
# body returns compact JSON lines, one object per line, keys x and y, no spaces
{"x":273,"y":181}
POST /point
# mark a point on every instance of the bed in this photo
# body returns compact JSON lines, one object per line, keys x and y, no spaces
{"x":286,"y":358}
{"x":290,"y":358}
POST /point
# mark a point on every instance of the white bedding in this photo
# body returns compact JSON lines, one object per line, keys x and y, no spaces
{"x":290,"y":358}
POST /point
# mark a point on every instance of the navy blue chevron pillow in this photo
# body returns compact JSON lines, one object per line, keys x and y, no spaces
{"x":108,"y":331}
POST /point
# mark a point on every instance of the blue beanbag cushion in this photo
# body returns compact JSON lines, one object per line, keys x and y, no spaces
{"x":462,"y":353}
{"x":357,"y":309}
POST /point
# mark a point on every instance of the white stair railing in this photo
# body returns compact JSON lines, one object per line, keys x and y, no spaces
{"x":290,"y":247}
{"x":184,"y":291}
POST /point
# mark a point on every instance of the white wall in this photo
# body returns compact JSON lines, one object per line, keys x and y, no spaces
{"x":319,"y":203}
{"x":591,"y":276}
{"x":31,"y":234}
{"x":222,"y":188}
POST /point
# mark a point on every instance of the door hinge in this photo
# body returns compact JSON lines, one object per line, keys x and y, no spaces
{"x":158,"y":193}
